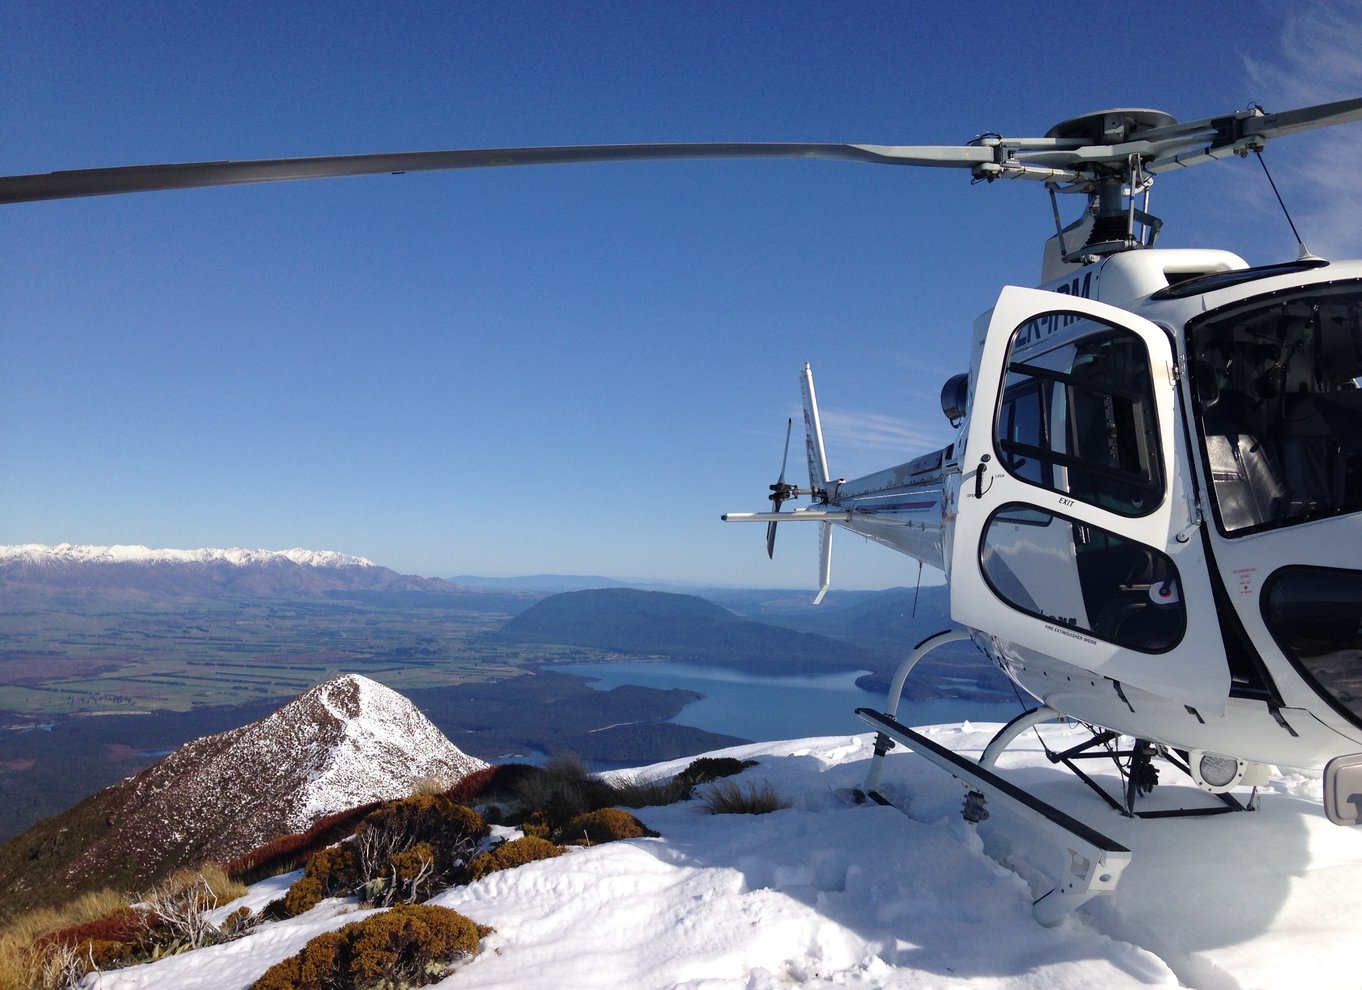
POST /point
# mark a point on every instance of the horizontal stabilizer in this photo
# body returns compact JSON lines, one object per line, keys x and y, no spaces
{"x":799,"y":515}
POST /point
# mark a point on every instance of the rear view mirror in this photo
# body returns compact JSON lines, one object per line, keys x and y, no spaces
{"x":1343,"y":789}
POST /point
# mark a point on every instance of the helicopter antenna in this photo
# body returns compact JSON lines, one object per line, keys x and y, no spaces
{"x":1305,"y":253}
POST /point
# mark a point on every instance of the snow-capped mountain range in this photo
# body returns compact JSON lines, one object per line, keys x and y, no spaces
{"x":34,"y":569}
{"x":344,"y":743}
{"x":40,"y":553}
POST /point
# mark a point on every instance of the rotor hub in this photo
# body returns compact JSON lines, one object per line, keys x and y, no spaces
{"x":1111,"y":126}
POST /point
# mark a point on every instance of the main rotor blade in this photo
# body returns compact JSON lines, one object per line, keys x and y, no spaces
{"x":190,"y":175}
{"x":1232,"y":133}
{"x":990,"y":156}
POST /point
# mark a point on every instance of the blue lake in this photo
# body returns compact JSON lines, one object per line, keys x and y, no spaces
{"x":764,"y":708}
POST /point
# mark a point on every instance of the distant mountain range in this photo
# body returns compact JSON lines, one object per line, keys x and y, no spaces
{"x":344,"y":743}
{"x":38,"y":570}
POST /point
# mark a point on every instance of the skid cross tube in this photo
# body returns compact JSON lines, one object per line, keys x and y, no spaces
{"x":1095,"y":861}
{"x":1131,"y":790}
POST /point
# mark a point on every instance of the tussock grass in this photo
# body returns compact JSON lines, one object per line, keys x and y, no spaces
{"x":28,"y":960}
{"x":224,"y":887}
{"x":18,"y":958}
{"x":727,"y":797}
{"x":635,"y":793}
{"x":562,"y":788}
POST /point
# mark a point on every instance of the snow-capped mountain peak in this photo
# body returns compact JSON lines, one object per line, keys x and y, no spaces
{"x":347,"y":742}
{"x":384,"y":743}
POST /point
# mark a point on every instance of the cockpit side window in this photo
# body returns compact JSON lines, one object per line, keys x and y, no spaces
{"x":1079,"y":419}
{"x":1279,"y":407}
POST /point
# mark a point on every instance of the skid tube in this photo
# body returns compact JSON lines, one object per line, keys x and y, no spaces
{"x":1095,"y":861}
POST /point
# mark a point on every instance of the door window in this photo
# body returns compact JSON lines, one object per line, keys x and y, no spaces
{"x":1085,"y":578}
{"x":1079,"y":419}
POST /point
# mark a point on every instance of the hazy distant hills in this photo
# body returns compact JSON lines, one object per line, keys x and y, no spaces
{"x":546,"y":583}
{"x":871,"y":631}
{"x":890,"y":620}
{"x":680,"y":627}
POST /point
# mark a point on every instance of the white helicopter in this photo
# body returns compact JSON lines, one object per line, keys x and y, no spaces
{"x":1149,"y":517}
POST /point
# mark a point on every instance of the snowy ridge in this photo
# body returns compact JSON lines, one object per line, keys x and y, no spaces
{"x":827,"y":895}
{"x":37,"y":553}
{"x":347,"y":742}
{"x":385,"y":745}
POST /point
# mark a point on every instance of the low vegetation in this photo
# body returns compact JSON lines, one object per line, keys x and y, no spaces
{"x":28,"y":960}
{"x":726,"y":797}
{"x":592,"y":828}
{"x":391,"y":854}
{"x":52,"y":949}
{"x":289,"y":852}
{"x":410,"y":945}
{"x":509,"y":855}
{"x":401,"y":852}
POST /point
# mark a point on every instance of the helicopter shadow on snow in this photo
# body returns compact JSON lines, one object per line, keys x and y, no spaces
{"x":921,"y":894}
{"x":1195,"y":885}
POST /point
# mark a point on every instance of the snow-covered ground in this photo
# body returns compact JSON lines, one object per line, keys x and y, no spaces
{"x":826,"y":894}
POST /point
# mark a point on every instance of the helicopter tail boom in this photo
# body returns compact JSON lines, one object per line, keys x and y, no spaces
{"x":900,"y":507}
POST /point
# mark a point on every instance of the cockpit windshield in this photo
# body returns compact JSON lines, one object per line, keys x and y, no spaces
{"x":1277,"y":385}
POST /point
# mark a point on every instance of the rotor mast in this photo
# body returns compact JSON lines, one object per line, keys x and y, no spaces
{"x":1114,"y":223}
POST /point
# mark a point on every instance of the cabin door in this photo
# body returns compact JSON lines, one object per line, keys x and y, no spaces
{"x":1076,"y":534}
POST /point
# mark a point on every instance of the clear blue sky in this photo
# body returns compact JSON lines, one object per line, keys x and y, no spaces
{"x":559,"y":369}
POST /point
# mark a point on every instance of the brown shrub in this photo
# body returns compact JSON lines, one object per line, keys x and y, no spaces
{"x":473,"y":786}
{"x":405,"y":943}
{"x":332,"y":872}
{"x":450,"y":829}
{"x":305,"y":894}
{"x":537,"y":824}
{"x":315,"y":967}
{"x":285,"y":852}
{"x":409,"y":945}
{"x":603,"y":825}
{"x":708,"y":768}
{"x":337,"y":868}
{"x":409,"y":877}
{"x":509,"y":855}
{"x":403,"y":850}
{"x":124,"y":926}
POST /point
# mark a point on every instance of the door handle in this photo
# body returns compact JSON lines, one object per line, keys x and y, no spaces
{"x":979,"y":477}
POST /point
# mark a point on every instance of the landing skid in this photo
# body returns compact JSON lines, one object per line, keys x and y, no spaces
{"x":1095,"y":861}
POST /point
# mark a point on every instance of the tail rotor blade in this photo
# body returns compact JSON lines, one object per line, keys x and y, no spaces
{"x":779,"y":493}
{"x":784,"y":461}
